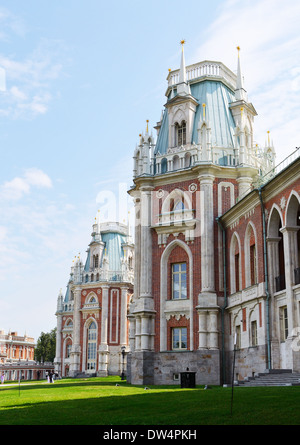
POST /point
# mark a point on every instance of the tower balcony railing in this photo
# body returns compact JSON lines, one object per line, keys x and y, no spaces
{"x":108,"y":275}
{"x":203,"y":69}
{"x":176,"y":217}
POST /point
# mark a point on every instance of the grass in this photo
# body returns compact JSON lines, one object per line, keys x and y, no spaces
{"x":98,"y":401}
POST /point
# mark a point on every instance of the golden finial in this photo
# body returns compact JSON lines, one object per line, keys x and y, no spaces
{"x":169,"y":70}
{"x":268,"y":137}
{"x":242,"y":109}
{"x":182,"y":42}
{"x":147,"y":125}
{"x":238,"y":48}
{"x":203,"y":105}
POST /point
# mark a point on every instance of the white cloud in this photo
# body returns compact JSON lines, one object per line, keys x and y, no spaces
{"x":15,"y":188}
{"x":37,"y":177}
{"x":27,"y":84}
{"x":19,"y":186}
{"x":17,"y":93}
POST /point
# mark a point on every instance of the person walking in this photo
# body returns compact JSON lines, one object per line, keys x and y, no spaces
{"x":2,"y":377}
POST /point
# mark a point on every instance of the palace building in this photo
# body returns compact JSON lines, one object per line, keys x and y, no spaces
{"x":92,"y":331}
{"x":217,"y":239}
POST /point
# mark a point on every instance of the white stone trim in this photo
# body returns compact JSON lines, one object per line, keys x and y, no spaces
{"x":163,"y":292}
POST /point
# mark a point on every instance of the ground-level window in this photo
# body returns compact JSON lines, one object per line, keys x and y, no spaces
{"x":92,"y":346}
{"x":283,"y":323}
{"x":179,"y":290}
{"x":253,"y":333}
{"x":179,"y":338}
{"x":238,"y":337}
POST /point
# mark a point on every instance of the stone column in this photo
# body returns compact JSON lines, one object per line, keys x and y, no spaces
{"x":213,"y":329}
{"x":104,"y":316}
{"x":132,"y":346}
{"x":144,"y":333}
{"x":137,"y":333}
{"x":123,"y":325}
{"x":58,"y":357}
{"x":103,"y":347}
{"x":76,"y":349}
{"x":245,"y":184}
{"x":290,"y":246}
{"x":273,"y":262}
{"x":207,"y":233}
{"x":144,"y":308}
{"x":202,"y":329}
{"x":146,"y":243}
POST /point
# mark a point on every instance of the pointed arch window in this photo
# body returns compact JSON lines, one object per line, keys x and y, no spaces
{"x":180,"y":134}
{"x":92,"y":347}
{"x":235,"y":266}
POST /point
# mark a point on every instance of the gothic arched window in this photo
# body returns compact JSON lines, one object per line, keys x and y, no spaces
{"x":92,"y":346}
{"x":180,"y":135}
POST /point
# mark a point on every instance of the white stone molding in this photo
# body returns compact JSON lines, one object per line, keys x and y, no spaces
{"x":114,"y":313}
{"x":221,"y":185}
{"x":164,"y":295}
{"x":271,"y":221}
{"x":235,"y":239}
{"x":207,"y":233}
{"x":84,"y":342}
{"x":250,"y":227}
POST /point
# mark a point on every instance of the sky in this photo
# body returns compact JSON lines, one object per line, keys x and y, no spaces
{"x":78,"y":80}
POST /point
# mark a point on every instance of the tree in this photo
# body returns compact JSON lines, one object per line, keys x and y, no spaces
{"x":45,"y":348}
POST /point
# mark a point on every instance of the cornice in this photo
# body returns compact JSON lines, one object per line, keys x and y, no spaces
{"x":192,"y":173}
{"x":241,"y":209}
{"x":281,"y":181}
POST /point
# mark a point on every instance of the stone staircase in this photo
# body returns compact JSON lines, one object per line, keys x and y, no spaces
{"x":273,"y":377}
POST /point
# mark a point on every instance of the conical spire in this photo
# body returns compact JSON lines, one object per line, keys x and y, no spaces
{"x":183,"y":88}
{"x":240,"y":92}
{"x":182,"y":75}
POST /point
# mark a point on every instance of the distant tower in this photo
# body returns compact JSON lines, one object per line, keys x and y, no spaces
{"x":92,"y":324}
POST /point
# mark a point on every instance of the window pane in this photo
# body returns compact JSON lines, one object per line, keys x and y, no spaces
{"x":175,"y":338}
{"x":183,"y":267}
{"x":183,"y":338}
{"x":175,"y":267}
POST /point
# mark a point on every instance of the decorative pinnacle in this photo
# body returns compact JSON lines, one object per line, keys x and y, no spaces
{"x":238,"y":48}
{"x":182,"y":42}
{"x":147,"y":125}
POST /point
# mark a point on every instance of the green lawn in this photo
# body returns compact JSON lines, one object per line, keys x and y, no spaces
{"x":99,"y":401}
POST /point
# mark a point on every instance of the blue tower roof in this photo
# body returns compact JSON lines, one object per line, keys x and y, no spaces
{"x":217,"y":98}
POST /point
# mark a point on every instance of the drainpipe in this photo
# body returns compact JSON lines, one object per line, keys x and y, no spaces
{"x":225,"y":300}
{"x":266,"y":278}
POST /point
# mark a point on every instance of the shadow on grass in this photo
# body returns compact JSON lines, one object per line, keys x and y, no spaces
{"x":98,"y":403}
{"x":168,"y":408}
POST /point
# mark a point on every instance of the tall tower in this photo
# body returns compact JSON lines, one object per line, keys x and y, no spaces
{"x":203,"y":161}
